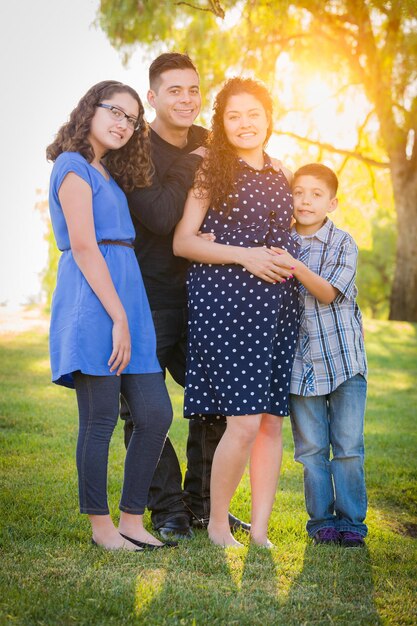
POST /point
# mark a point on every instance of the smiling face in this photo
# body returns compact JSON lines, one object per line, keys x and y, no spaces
{"x":312,"y":201}
{"x":176,"y":99}
{"x":245,"y":123}
{"x":108,"y":133}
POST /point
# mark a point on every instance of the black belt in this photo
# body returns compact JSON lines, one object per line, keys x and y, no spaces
{"x":114,"y":242}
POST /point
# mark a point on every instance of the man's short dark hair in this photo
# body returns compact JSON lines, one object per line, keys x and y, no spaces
{"x":168,"y":61}
{"x":320,"y":171}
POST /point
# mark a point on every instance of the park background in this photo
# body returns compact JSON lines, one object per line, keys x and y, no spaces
{"x":358,"y":118}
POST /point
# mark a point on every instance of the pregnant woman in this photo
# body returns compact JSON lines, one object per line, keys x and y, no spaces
{"x":243,"y":313}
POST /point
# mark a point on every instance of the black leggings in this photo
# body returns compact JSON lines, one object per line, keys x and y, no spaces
{"x":98,"y":406}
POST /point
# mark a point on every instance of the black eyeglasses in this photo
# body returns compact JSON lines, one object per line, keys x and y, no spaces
{"x":118,"y":115}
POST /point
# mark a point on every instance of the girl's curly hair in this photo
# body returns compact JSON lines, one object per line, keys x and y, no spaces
{"x":130,"y":165}
{"x":215,"y":177}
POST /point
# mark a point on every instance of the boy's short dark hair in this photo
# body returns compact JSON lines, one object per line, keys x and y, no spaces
{"x":168,"y":61}
{"x":320,"y":171}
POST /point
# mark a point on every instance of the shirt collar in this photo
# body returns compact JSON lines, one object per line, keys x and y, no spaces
{"x":324,"y":234}
{"x":267,"y":164}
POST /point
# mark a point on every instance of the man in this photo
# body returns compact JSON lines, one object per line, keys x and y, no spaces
{"x":175,"y":95}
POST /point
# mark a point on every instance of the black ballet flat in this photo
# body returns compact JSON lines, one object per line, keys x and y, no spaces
{"x":150,"y":546}
{"x":98,"y":546}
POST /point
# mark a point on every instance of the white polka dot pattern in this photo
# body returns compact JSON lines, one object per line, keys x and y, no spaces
{"x":242,"y":331}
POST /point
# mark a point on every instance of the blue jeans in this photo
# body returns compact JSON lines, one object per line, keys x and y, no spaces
{"x":98,"y":405}
{"x":334,"y":489}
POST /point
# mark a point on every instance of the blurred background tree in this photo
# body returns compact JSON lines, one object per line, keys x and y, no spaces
{"x":48,"y":278}
{"x":343,"y":74}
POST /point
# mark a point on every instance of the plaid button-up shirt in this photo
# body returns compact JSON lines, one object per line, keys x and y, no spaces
{"x":330,"y":346}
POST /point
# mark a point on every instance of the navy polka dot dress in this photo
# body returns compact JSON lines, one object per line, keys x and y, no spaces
{"x":242,"y":331}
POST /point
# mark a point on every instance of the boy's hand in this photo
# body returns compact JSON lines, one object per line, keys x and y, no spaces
{"x":287,"y":260}
{"x":266,"y":264}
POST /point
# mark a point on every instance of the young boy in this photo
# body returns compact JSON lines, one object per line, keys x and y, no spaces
{"x":328,"y":383}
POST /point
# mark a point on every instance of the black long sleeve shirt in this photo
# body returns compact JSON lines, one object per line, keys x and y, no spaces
{"x":156,"y":210}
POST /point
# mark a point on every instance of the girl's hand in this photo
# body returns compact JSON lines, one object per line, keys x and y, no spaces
{"x":120,"y":357}
{"x":266,"y":264}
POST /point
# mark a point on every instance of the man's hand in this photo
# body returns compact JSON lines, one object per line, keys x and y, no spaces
{"x":200,"y":151}
{"x":207,"y":236}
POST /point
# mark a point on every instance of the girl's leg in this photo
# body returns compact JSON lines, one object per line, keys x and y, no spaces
{"x":151,"y":412}
{"x":98,"y":404}
{"x":229,"y":462}
{"x":265,"y":465}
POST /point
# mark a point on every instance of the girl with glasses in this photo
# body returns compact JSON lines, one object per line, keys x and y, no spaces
{"x":102,"y":340}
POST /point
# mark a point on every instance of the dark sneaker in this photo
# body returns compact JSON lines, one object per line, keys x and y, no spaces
{"x":351,"y":539}
{"x":327,"y":536}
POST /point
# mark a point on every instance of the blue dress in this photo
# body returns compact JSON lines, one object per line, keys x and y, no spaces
{"x":81,"y":329}
{"x":242,"y":330}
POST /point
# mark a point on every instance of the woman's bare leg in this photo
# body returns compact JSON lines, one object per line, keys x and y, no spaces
{"x":229,"y":462}
{"x":265,"y":465}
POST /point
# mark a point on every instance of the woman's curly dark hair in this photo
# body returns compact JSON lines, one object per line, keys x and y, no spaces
{"x":130,"y":165}
{"x":216,"y":175}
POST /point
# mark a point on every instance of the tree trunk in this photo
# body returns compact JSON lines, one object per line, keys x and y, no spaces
{"x":403,"y":302}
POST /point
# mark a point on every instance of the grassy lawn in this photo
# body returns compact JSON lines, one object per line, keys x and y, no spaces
{"x":50,"y":573}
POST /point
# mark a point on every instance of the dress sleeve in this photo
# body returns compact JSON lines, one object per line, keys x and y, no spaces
{"x":340,"y":268}
{"x":70,"y":162}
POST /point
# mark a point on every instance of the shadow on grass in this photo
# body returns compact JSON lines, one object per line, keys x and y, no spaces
{"x":334,"y":586}
{"x":259,"y":586}
{"x":214,"y":586}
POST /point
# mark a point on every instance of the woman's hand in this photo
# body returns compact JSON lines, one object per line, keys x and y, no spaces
{"x":120,"y":357}
{"x":266,"y":264}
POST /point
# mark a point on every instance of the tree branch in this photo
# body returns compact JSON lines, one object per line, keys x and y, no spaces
{"x":215,"y":7}
{"x":352,"y":154}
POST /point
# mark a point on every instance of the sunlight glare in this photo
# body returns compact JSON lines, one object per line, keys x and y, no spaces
{"x":317,"y":92}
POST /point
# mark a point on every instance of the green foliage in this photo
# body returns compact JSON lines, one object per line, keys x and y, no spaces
{"x":52,"y":575}
{"x":366,"y":47}
{"x":163,"y":26}
{"x":49,"y":273}
{"x":366,"y":211}
{"x":376,"y":268}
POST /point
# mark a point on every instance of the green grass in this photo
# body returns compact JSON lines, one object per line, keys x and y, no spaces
{"x":50,"y":573}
